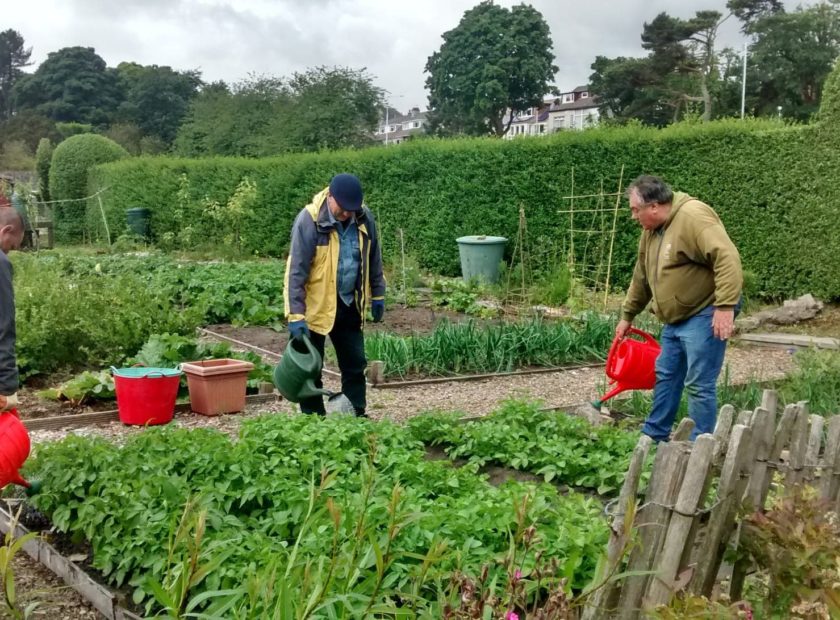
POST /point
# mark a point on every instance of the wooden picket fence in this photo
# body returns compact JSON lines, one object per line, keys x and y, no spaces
{"x":678,"y":532}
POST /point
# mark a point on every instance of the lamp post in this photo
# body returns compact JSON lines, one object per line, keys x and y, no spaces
{"x":744,"y":82}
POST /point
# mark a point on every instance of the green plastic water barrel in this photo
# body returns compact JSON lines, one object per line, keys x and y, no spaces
{"x":139,"y":222}
{"x":480,"y":256}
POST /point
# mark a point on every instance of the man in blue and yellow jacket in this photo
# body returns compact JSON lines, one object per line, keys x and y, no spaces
{"x":333,"y":273}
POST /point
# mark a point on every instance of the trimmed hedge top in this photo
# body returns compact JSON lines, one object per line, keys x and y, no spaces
{"x":770,"y":183}
{"x":71,"y":161}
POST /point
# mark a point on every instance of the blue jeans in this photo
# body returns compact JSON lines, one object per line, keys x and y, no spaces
{"x":691,"y":357}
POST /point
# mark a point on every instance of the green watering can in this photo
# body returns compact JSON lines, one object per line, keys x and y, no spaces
{"x":300,"y":366}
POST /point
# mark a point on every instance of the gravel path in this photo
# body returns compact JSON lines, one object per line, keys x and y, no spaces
{"x":556,"y":389}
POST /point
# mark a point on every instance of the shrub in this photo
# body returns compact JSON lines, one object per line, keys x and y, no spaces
{"x":87,"y":319}
{"x":68,"y":179}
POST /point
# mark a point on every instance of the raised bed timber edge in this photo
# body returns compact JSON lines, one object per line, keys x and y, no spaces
{"x":100,"y":597}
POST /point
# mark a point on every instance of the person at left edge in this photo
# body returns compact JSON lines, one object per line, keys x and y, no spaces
{"x":11,"y":237}
{"x":334,"y":271}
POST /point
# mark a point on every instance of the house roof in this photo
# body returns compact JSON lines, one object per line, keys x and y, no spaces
{"x":581,"y":89}
{"x":580,"y":104}
{"x":396,"y":117}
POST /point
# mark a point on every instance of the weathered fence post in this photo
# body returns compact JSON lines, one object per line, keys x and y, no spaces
{"x":812,"y":453}
{"x":780,"y":439}
{"x":722,"y":428}
{"x":763,"y":428}
{"x":779,"y":442}
{"x":830,"y":480}
{"x":721,"y":523}
{"x":600,"y":600}
{"x":744,"y":417}
{"x":652,"y":520}
{"x":683,"y":430}
{"x":798,"y":447}
{"x":684,"y":513}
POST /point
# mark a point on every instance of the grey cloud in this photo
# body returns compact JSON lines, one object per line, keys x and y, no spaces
{"x":231,"y":39}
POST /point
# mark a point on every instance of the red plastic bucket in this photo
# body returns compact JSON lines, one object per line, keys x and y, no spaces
{"x":146,"y":395}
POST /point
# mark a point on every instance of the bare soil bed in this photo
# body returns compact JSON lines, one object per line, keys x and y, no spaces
{"x":399,"y":320}
{"x":35,"y":583}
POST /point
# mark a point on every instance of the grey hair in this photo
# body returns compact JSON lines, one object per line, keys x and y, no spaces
{"x":10,"y":217}
{"x":651,"y":189}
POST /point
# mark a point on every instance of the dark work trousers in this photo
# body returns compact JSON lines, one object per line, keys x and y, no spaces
{"x":349,"y":343}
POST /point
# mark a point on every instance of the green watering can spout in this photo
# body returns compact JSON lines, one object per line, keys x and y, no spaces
{"x":299,"y":368}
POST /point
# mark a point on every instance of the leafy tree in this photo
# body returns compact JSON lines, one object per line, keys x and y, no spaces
{"x":156,"y":98}
{"x":237,"y":121}
{"x":495,"y":61}
{"x":29,"y":126}
{"x":683,"y":56}
{"x":72,"y":84}
{"x":323,"y":108}
{"x":331,"y":108}
{"x":830,"y":104}
{"x":627,"y":88}
{"x":750,"y":11}
{"x":792,"y":54}
{"x":13,"y":57}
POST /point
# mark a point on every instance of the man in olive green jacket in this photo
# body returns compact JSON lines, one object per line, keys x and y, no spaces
{"x":691,"y":272}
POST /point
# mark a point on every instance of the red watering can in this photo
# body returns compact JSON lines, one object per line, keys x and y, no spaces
{"x":631,"y":364}
{"x":14,"y":449}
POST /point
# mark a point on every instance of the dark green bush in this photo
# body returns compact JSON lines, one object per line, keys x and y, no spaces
{"x":68,"y":179}
{"x":87,"y":320}
{"x":80,"y":311}
{"x":777,"y":199}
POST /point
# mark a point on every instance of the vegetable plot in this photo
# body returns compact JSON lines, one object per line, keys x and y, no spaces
{"x":304,"y":517}
{"x":471,"y":348}
{"x":562,"y":448}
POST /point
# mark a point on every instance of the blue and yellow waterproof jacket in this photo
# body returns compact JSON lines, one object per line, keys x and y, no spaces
{"x":310,"y":290}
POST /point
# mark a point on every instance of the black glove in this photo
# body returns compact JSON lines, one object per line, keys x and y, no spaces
{"x":377,"y":309}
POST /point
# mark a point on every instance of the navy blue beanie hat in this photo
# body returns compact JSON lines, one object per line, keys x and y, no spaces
{"x":347,"y":190}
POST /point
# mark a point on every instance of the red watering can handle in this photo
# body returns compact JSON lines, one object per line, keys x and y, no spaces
{"x":630,"y":331}
{"x":639,"y":332}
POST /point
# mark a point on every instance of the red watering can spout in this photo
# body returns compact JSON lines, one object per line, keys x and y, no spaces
{"x":631,"y":364}
{"x":14,"y":448}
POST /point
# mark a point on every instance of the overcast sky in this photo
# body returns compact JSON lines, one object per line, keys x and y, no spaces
{"x":230,"y":39}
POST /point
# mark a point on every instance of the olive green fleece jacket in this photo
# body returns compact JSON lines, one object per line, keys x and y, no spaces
{"x":686,"y":264}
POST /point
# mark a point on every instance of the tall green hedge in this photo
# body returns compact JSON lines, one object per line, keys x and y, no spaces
{"x":773,"y":185}
{"x":68,"y":174}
